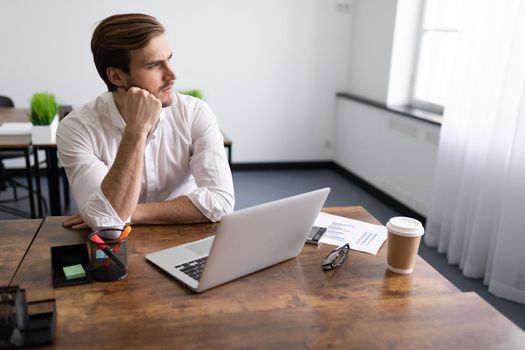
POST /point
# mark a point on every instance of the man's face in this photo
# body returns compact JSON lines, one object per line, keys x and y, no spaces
{"x":150,"y":69}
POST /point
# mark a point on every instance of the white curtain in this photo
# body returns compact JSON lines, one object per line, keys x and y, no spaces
{"x":477,"y":214}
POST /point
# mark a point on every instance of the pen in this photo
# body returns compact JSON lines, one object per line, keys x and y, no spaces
{"x":124,"y":234}
{"x":101,"y":244}
{"x":122,"y":237}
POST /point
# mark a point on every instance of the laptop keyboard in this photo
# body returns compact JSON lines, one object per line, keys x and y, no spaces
{"x":193,"y":268}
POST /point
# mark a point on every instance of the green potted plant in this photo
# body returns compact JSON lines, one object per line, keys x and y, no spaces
{"x":192,"y":92}
{"x":43,"y":116}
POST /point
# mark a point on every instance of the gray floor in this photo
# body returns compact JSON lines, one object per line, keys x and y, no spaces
{"x":255,"y":187}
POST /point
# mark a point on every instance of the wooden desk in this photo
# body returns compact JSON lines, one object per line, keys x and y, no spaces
{"x":291,"y":305}
{"x":15,"y":238}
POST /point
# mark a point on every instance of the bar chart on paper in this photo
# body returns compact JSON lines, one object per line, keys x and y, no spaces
{"x":366,"y":238}
{"x":359,"y":235}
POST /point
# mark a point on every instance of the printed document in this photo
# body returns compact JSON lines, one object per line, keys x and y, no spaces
{"x":359,"y":235}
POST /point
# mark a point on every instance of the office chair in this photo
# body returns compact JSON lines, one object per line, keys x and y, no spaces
{"x":8,"y":180}
{"x":6,"y":102}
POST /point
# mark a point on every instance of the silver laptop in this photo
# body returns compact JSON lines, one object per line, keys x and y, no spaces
{"x":247,"y":240}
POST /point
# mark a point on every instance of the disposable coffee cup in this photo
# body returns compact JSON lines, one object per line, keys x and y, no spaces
{"x":404,"y":236}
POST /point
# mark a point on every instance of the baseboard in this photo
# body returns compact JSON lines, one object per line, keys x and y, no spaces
{"x":282,"y":166}
{"x":365,"y":185}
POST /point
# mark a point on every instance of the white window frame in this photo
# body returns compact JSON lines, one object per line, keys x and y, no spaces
{"x":414,"y":102}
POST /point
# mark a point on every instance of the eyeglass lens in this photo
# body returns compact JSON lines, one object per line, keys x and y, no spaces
{"x":336,"y":258}
{"x":342,"y":254}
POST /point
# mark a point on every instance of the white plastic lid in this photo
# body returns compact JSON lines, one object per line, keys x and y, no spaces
{"x":404,"y":226}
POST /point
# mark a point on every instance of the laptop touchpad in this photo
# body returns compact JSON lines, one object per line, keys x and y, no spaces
{"x":201,"y":247}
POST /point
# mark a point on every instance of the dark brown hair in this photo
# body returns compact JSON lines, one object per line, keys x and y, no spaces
{"x":115,"y":37}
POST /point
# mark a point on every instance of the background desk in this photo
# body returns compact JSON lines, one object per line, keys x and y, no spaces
{"x":228,"y":146}
{"x":19,"y":143}
{"x":23,"y":143}
{"x":291,"y":305}
{"x":15,"y":238}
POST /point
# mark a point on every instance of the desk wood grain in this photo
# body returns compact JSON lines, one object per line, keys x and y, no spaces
{"x":291,"y":305}
{"x":13,"y":115}
{"x":15,"y":238}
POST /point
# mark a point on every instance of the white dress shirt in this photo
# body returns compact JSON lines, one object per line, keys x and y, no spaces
{"x":184,"y":155}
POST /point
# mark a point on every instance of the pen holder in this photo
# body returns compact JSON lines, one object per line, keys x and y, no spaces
{"x":109,"y":259}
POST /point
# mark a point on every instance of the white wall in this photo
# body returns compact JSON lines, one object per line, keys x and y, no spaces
{"x":269,"y":68}
{"x":394,"y":153}
{"x":373,"y":23}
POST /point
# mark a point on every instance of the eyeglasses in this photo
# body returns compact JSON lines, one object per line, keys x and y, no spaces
{"x":336,"y":258}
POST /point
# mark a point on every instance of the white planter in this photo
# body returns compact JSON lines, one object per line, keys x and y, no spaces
{"x":45,"y":134}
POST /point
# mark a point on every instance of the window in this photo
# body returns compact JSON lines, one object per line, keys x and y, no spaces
{"x":435,"y":54}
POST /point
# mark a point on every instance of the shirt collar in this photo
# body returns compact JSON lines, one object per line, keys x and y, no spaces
{"x":114,"y":114}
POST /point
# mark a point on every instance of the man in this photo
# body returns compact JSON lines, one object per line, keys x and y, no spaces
{"x":141,"y":152}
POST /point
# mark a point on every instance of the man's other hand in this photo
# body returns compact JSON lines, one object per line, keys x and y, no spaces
{"x":75,"y":222}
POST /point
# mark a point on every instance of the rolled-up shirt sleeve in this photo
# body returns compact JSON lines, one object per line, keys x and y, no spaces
{"x":214,"y":195}
{"x":85,"y":172}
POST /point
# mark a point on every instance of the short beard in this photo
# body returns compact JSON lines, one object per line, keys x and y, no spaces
{"x":168,"y":103}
